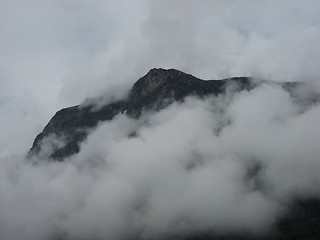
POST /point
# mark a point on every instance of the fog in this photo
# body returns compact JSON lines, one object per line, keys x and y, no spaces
{"x":228,"y":164}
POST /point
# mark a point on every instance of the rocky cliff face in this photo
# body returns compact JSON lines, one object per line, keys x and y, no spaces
{"x":157,"y":89}
{"x":154,"y":91}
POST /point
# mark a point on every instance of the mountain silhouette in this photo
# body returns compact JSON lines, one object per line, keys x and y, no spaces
{"x":156,"y":90}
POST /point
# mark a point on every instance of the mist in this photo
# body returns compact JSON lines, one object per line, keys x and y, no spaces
{"x":227,"y":164}
{"x":185,"y":170}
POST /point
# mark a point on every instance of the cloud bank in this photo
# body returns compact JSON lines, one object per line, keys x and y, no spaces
{"x":189,"y":168}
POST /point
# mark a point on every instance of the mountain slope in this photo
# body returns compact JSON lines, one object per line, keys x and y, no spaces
{"x":157,"y":90}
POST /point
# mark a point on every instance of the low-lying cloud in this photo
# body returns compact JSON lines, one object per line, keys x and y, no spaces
{"x":227,"y":164}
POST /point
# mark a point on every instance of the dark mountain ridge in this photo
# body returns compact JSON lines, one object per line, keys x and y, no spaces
{"x":157,"y":89}
{"x":154,"y":91}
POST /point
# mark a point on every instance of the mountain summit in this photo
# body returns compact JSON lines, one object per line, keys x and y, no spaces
{"x":154,"y":91}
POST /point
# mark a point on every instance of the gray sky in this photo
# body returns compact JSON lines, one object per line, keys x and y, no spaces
{"x":55,"y":54}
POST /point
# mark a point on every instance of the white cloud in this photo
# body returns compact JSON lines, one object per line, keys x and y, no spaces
{"x":55,"y":54}
{"x":177,"y":175}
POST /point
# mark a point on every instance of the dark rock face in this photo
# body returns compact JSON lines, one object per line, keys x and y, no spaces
{"x":157,"y":89}
{"x":302,"y":222}
{"x":154,"y":91}
{"x":71,"y":124}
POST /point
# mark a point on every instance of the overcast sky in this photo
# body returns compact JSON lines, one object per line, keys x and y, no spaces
{"x":55,"y":54}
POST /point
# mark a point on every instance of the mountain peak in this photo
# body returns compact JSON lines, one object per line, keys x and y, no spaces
{"x":154,"y":91}
{"x":162,"y":71}
{"x":156,"y":78}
